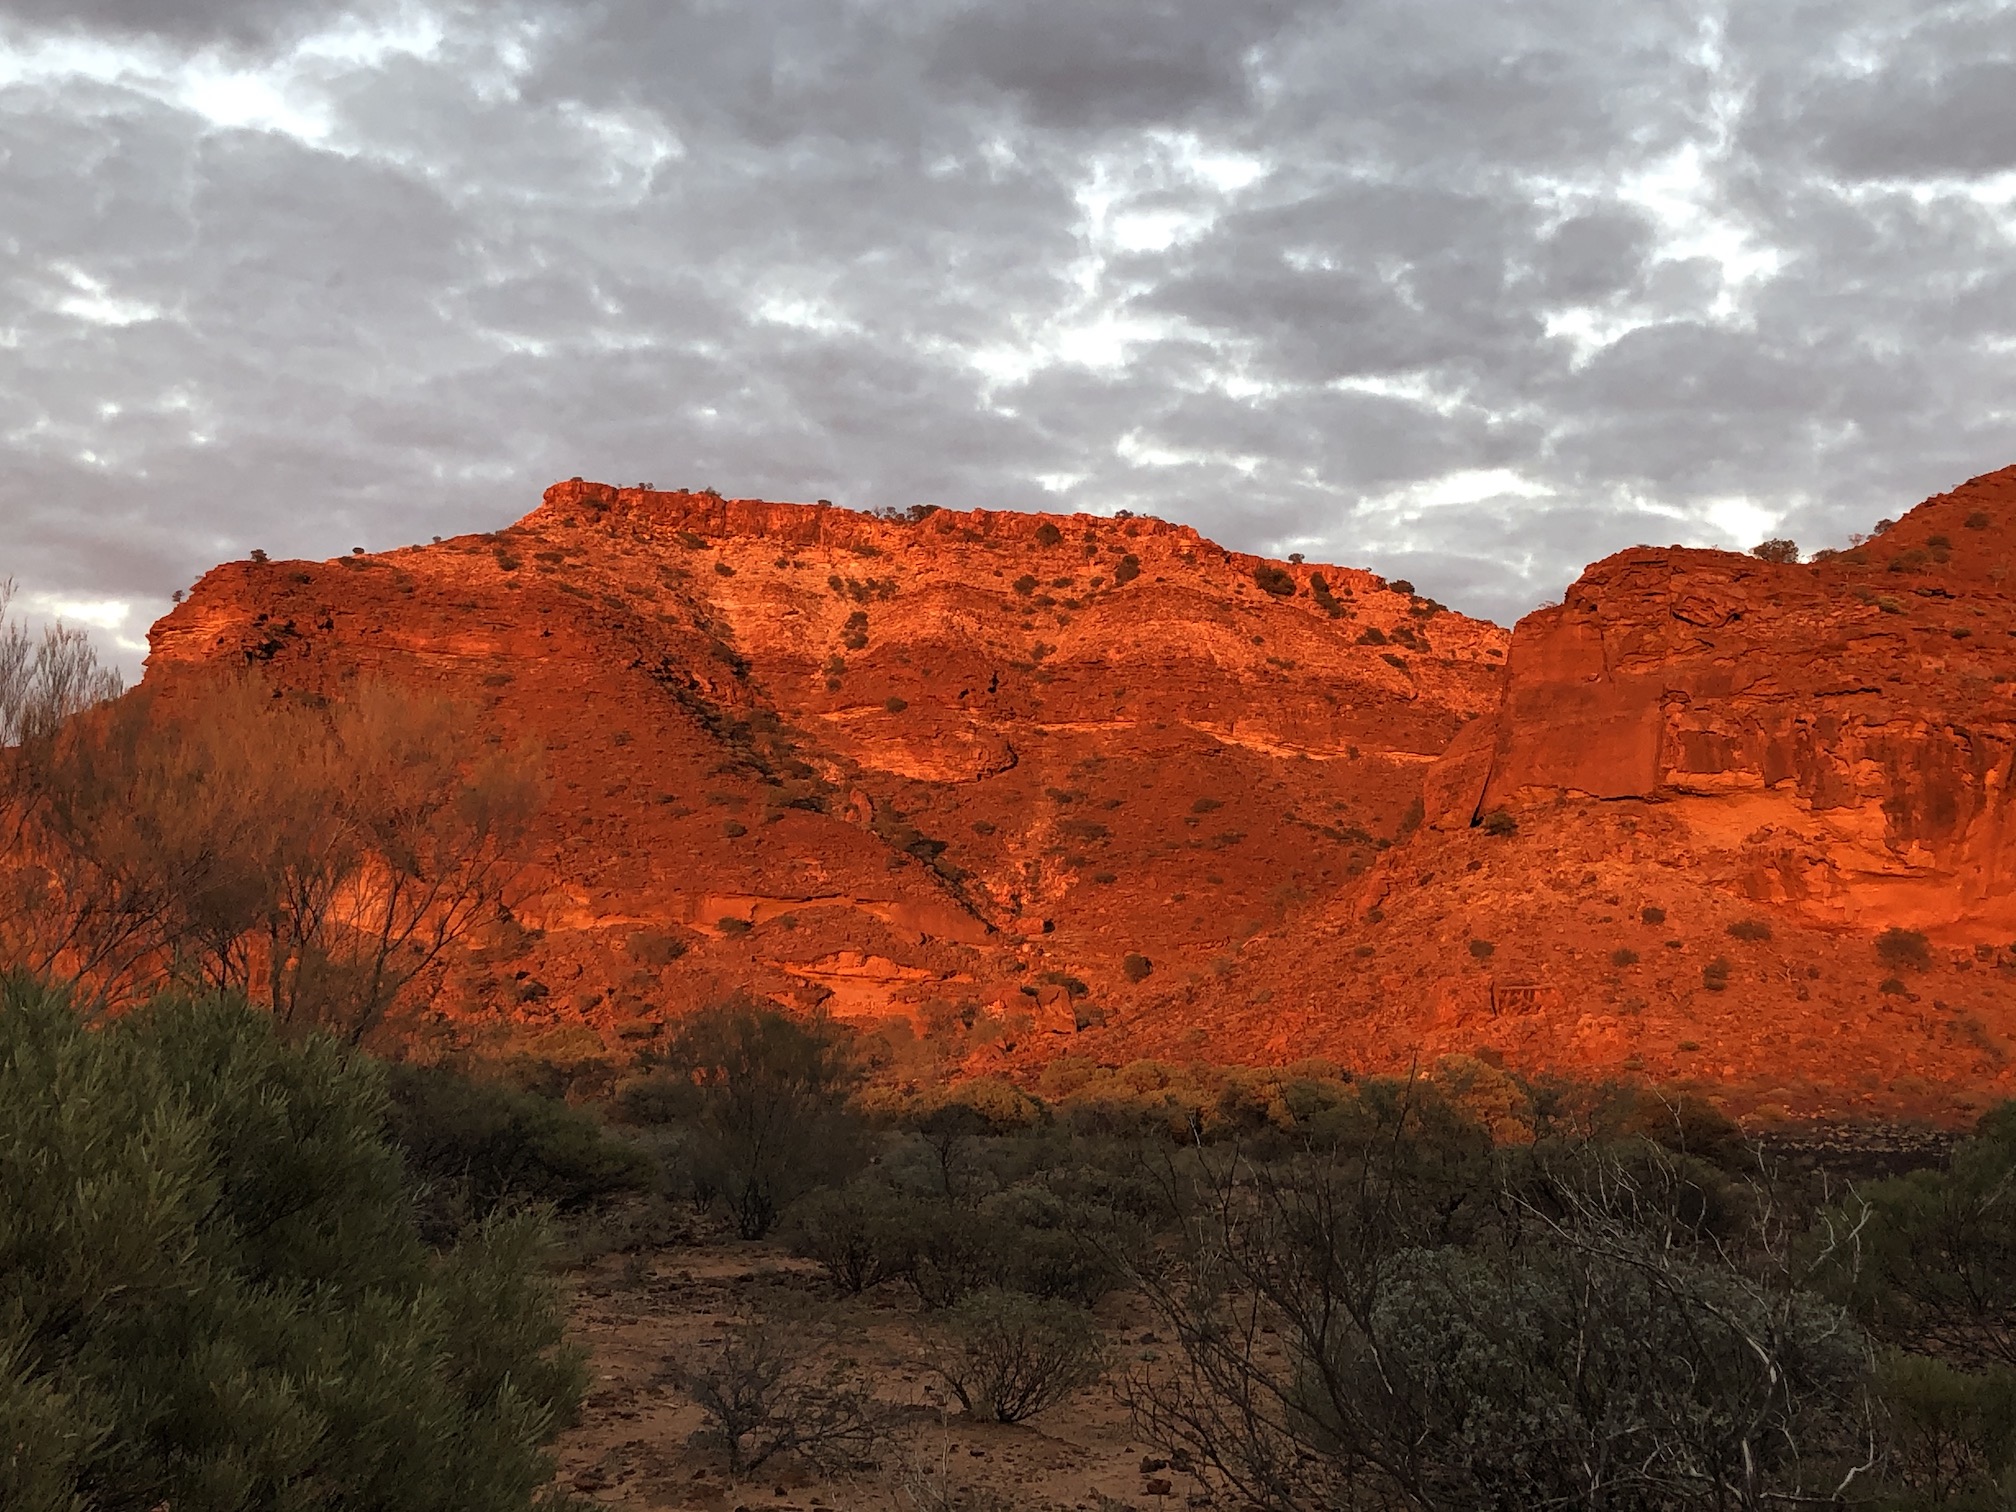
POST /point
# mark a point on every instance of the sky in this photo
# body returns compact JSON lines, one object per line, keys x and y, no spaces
{"x":1467,"y":291}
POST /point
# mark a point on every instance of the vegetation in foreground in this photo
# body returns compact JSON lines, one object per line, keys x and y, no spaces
{"x":244,"y":1266}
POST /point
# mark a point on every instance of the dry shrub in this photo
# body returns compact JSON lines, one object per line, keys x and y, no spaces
{"x":772,"y":1390}
{"x":316,"y":856}
{"x":1007,"y":1356}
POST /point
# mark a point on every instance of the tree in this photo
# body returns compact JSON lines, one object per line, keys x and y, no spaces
{"x":212,"y":1292}
{"x":1780,"y":551}
{"x":766,"y":1099}
{"x":45,"y":681}
{"x":316,"y":856}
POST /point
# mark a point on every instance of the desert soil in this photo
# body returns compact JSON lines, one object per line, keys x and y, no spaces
{"x":639,"y":1316}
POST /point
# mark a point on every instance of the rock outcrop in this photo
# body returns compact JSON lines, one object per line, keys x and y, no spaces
{"x":1044,"y":785}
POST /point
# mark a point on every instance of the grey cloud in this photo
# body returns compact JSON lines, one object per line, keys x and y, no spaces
{"x":243,"y":24}
{"x":795,"y":247}
{"x":1075,"y":65}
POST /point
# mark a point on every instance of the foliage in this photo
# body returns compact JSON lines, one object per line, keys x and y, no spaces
{"x":1938,"y":1267}
{"x":765,"y":1099}
{"x":1904,"y":950}
{"x":475,"y":1146}
{"x":1499,"y":822}
{"x":1376,"y":1323}
{"x":1007,"y":1356}
{"x":45,"y":680}
{"x":212,"y":1292}
{"x":1780,"y":551}
{"x":315,"y":858}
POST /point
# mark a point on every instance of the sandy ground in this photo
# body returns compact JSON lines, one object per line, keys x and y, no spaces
{"x":642,"y":1314}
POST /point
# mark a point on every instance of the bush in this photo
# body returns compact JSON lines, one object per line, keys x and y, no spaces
{"x":765,"y":1100}
{"x":852,"y":1233}
{"x":1752,"y":930}
{"x":1482,"y":950}
{"x":1781,"y":551}
{"x":1904,"y":950}
{"x":1007,"y":1357}
{"x":1652,"y":915}
{"x":1127,"y":569}
{"x":213,"y":1293}
{"x":655,"y":947}
{"x":766,"y":1394}
{"x":1623,"y":956}
{"x":1136,"y":967}
{"x":1938,"y":1267}
{"x":1274,"y":580}
{"x":1715,"y":975}
{"x":1500,"y":822}
{"x":472,"y":1147}
{"x":1048,"y":535}
{"x":1025,"y":584}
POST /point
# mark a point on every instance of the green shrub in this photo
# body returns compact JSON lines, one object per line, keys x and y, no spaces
{"x":851,"y":1231}
{"x":1780,"y":551}
{"x":1007,"y":1356}
{"x":472,"y":1147}
{"x":213,"y":1294}
{"x":764,"y":1100}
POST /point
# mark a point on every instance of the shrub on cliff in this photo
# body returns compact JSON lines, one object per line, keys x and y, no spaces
{"x":1780,"y":551}
{"x":213,"y":1294}
{"x":1904,"y":950}
{"x":1127,"y":569}
{"x":1274,"y":580}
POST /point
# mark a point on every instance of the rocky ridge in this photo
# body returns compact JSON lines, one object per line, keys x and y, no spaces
{"x":1063,"y":790}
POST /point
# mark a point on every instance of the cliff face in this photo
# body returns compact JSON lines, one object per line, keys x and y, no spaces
{"x":1043,"y":786}
{"x":959,"y":768}
{"x":1840,"y":735}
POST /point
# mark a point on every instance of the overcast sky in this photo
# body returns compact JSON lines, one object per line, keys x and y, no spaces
{"x":1470,"y":291}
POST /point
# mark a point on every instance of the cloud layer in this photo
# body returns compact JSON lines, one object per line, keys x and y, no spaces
{"x":1469,"y":292}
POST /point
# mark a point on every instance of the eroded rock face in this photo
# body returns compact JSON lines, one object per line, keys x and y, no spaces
{"x":1840,"y":735}
{"x":958,"y":769}
{"x":975,"y":749}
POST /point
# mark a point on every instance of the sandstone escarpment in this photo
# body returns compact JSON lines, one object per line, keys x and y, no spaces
{"x":1040,"y":786}
{"x":996,"y":753}
{"x":1840,"y":734}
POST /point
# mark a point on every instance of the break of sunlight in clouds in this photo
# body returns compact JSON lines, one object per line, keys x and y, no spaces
{"x":1469,"y":294}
